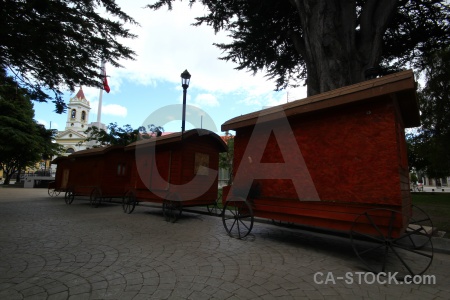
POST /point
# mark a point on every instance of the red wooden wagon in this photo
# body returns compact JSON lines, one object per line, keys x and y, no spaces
{"x":177,"y":170}
{"x":337,"y":161}
{"x":98,"y":173}
{"x":61,"y":176}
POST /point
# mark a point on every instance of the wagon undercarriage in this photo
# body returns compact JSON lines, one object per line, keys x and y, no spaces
{"x":380,"y":247}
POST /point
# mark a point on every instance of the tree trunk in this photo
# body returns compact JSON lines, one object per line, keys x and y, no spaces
{"x":19,"y":172}
{"x":8,"y":171}
{"x":7,"y":178}
{"x":336,"y":50}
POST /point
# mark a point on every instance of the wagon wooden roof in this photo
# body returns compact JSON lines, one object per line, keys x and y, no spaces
{"x":178,"y":137}
{"x":95,"y":151}
{"x":59,"y":159}
{"x":399,"y":85}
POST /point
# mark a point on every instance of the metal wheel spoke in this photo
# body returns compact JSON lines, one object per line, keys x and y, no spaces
{"x":386,"y":254}
{"x":401,"y":260}
{"x":242,"y":224}
{"x":371,"y":237}
{"x":401,"y":254}
{"x":371,"y":249}
{"x":375,"y":226}
{"x":391,"y":224}
{"x":408,"y":234}
{"x":234,"y":213}
{"x":172,"y":207}
{"x":238,"y":228}
{"x":232,"y":226}
{"x":240,"y":221}
{"x":412,"y":250}
{"x":415,"y":231}
{"x":129,"y":202}
{"x":422,"y":220}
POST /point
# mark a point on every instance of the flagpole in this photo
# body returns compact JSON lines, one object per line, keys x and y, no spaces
{"x":99,"y":110}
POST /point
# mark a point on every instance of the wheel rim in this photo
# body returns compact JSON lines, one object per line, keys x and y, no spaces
{"x":382,"y":250}
{"x":69,"y":196}
{"x":237,"y":217}
{"x":66,"y":197}
{"x":214,"y":209}
{"x":129,"y":202}
{"x":172,"y":208}
{"x":96,"y":197}
{"x":419,"y":225}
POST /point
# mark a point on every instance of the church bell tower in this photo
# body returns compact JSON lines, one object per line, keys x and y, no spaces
{"x":78,"y":113}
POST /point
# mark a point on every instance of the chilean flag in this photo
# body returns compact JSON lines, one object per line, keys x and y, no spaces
{"x":105,"y":80}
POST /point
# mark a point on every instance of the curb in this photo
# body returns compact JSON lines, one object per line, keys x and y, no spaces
{"x":441,"y":245}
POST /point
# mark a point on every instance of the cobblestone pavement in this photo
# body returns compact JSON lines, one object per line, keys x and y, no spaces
{"x":50,"y":250}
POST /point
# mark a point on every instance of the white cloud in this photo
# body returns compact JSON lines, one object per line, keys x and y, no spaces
{"x":167,"y":44}
{"x":109,"y":109}
{"x":45,"y":123}
{"x":205,"y":100}
{"x":114,"y":110}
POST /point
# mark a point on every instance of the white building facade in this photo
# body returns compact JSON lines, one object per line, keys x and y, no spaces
{"x":73,"y":136}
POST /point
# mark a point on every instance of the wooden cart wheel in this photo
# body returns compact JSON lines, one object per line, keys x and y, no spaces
{"x":376,"y":245}
{"x":421,"y":227}
{"x":51,"y":189}
{"x":237,"y":217}
{"x":129,"y":202}
{"x":96,"y":197}
{"x":214,"y":209}
{"x":69,"y":196}
{"x":172,"y":207}
{"x":53,"y":193}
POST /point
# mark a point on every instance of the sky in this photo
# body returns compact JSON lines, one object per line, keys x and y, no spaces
{"x":148,"y":90}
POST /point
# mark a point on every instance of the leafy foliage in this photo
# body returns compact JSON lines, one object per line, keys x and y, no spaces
{"x":226,"y":158}
{"x":24,"y":141}
{"x":326,"y":44}
{"x":48,"y":44}
{"x":429,"y":147}
{"x":121,"y":136}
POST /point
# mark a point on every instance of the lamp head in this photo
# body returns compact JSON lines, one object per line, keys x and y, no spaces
{"x":185,"y":78}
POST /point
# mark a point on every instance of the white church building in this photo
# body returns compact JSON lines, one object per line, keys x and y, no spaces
{"x":73,"y":136}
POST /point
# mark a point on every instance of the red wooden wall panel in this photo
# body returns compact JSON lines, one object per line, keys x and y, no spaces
{"x":351,"y":154}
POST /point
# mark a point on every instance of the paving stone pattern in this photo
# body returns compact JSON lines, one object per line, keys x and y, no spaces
{"x":50,"y":250}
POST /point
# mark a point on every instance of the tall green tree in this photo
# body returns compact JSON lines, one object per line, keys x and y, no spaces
{"x":327,"y":44}
{"x":51,"y":44}
{"x":48,"y":147}
{"x":429,"y":147}
{"x":24,"y":142}
{"x":115,"y":135}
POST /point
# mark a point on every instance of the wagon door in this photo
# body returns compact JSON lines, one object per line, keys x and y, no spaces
{"x":65,"y":178}
{"x":160,"y":177}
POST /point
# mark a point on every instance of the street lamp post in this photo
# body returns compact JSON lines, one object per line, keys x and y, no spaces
{"x":185,"y":78}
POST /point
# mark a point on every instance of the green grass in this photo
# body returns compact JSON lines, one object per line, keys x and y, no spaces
{"x":437,"y":206}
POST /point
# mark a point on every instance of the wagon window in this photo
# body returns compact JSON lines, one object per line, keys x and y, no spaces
{"x":121,"y":169}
